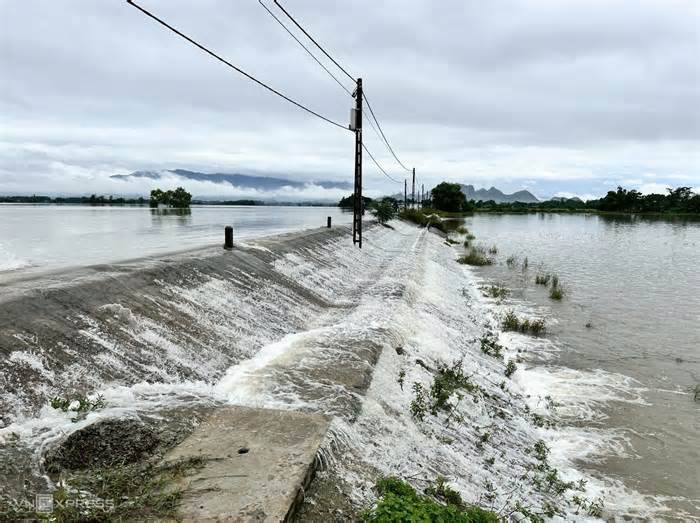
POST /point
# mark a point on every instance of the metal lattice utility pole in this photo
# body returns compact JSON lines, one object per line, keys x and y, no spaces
{"x":413,"y":188}
{"x":356,"y":125}
{"x":405,"y":184}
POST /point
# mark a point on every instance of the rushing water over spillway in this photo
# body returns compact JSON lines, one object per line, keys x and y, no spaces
{"x":308,"y":322}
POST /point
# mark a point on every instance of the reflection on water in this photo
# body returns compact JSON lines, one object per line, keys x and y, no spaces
{"x":632,"y":307}
{"x":183,"y":216}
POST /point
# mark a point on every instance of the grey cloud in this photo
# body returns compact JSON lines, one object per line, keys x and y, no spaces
{"x":499,"y":92}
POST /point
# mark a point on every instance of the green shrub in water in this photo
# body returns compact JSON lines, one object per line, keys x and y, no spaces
{"x":542,"y":279}
{"x":511,"y":322}
{"x":476,"y":256}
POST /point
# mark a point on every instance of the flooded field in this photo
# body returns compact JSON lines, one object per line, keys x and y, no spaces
{"x":627,"y":332}
{"x":55,"y":236}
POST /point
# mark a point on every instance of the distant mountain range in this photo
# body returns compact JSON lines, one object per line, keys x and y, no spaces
{"x":260,"y":183}
{"x":497,"y":196}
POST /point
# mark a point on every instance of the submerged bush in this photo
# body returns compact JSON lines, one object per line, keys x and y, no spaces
{"x":493,"y":250}
{"x":526,"y":326}
{"x":511,"y":367}
{"x":80,"y":404}
{"x":497,"y":291}
{"x":447,"y":381}
{"x":542,"y":279}
{"x":556,"y":293}
{"x":490,"y":346}
{"x":476,"y":256}
{"x":511,"y":261}
{"x":399,"y":502}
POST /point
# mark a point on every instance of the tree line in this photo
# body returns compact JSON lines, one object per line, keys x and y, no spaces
{"x":448,"y":197}
{"x":680,"y":200}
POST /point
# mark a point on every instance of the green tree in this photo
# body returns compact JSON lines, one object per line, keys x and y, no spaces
{"x":349,"y":201}
{"x":384,"y":210}
{"x":157,"y":196}
{"x":449,"y":197}
{"x":180,"y":198}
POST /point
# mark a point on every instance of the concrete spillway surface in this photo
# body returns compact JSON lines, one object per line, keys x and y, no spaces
{"x":257,"y":463}
{"x":307,"y":324}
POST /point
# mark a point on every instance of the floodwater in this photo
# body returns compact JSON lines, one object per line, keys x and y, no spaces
{"x":58,"y":236}
{"x":315,"y":325}
{"x":631,"y":309}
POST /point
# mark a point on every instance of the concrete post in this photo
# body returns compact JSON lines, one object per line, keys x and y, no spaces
{"x":329,"y":222}
{"x":228,"y":237}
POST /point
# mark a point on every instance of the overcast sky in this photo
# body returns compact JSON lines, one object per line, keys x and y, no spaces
{"x":560,"y":97}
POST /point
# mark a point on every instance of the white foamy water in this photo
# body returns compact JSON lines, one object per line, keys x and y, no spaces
{"x":403,"y":290}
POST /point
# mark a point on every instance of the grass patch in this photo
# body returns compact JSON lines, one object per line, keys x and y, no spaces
{"x":135,"y":492}
{"x":399,"y":502}
{"x":512,"y":323}
{"x":476,"y":256}
{"x":447,"y":381}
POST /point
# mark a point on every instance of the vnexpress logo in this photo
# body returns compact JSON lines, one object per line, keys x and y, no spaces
{"x":43,"y":503}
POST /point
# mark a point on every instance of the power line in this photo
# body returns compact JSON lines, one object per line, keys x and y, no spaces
{"x":377,"y":164}
{"x":239,"y":70}
{"x":314,"y":41}
{"x":369,"y":106}
{"x":305,"y":48}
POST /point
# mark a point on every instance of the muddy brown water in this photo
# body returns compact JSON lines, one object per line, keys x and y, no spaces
{"x":631,"y":307}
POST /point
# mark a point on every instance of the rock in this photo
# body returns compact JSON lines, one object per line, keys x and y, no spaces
{"x":400,"y":351}
{"x":103,"y":444}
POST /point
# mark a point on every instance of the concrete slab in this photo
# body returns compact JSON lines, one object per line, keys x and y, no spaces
{"x":257,"y":464}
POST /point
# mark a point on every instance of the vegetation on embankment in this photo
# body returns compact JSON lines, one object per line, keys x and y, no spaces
{"x":423,"y":218}
{"x":113,"y":470}
{"x":398,"y":501}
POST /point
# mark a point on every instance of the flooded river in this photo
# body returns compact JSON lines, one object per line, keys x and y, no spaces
{"x":628,"y":328}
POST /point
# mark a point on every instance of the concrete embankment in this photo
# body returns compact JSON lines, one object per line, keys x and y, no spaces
{"x":186,"y":317}
{"x":371,"y":361}
{"x":277,"y":323}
